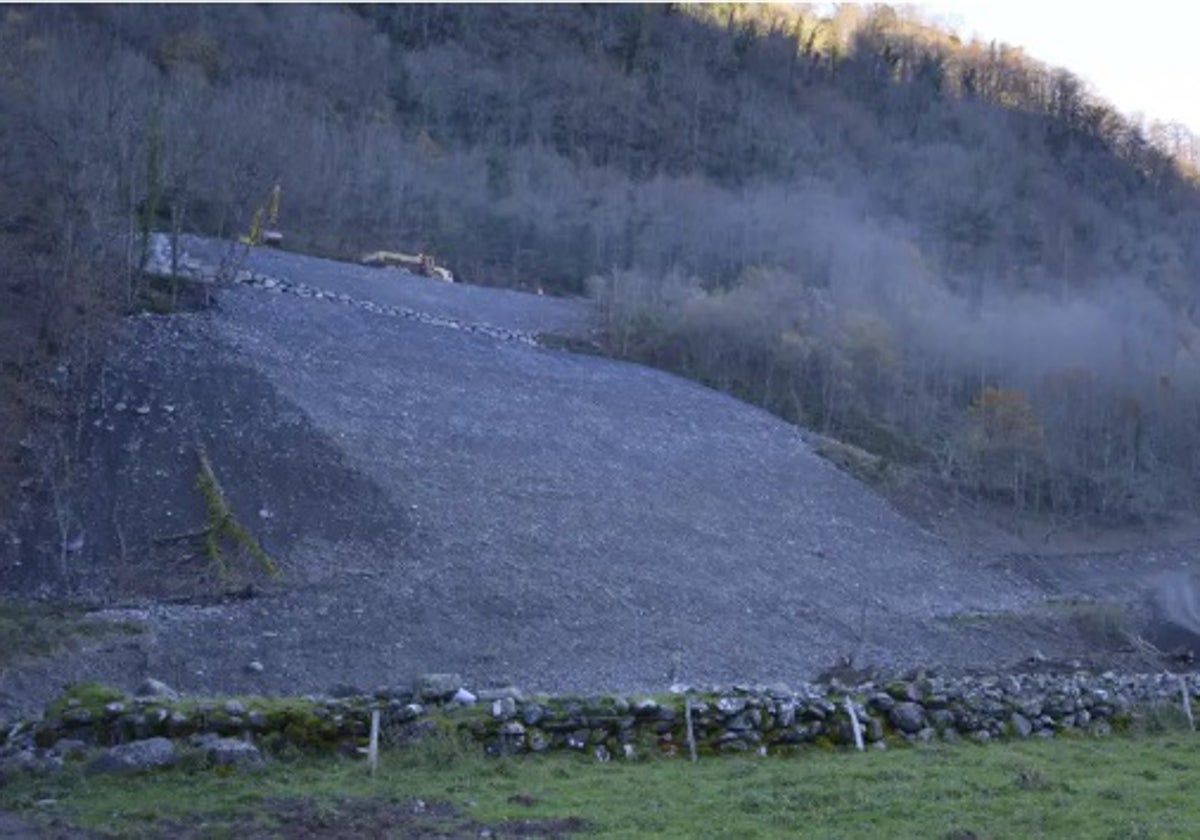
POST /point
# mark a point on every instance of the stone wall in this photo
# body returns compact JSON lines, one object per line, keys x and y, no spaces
{"x":767,"y":720}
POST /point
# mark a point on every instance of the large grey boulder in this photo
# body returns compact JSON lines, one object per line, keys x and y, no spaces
{"x":908,"y":717}
{"x":136,"y":756}
{"x":437,"y":687}
{"x":228,"y":752}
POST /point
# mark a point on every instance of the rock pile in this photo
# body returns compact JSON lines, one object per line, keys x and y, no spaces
{"x":289,"y":287}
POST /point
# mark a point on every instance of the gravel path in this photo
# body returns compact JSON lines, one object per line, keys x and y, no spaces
{"x":446,"y":495}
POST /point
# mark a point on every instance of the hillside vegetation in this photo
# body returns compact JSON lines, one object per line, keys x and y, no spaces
{"x":945,"y":253}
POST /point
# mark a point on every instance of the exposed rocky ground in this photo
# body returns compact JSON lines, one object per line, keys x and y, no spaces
{"x":445,"y":491}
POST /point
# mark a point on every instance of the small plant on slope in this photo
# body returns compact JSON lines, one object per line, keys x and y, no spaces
{"x":223,"y":526}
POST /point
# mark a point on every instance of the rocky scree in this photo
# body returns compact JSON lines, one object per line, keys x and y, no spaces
{"x":464,"y":500}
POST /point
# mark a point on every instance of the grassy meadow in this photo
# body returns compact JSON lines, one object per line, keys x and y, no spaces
{"x":1118,"y":787}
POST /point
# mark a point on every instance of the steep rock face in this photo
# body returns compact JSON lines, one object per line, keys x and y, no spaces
{"x":443,"y":498}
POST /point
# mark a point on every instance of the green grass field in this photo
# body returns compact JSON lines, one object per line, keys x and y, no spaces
{"x":1118,"y":787}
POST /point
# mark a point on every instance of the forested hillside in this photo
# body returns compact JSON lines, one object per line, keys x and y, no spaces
{"x":945,"y":253}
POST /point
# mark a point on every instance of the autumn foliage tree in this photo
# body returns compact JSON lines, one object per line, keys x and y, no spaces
{"x":1005,"y":444}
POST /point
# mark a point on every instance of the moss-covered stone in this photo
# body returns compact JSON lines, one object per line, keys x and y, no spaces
{"x":94,"y":697}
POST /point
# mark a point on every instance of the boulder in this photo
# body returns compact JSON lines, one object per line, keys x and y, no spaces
{"x":909,"y":718}
{"x":464,"y":698}
{"x":156,"y":688}
{"x":135,"y":756}
{"x":1021,"y":726}
{"x":67,"y":747}
{"x":437,"y":687}
{"x":504,"y":709}
{"x":229,"y":752}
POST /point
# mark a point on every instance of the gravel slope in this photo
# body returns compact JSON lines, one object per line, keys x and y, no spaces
{"x":449,"y":500}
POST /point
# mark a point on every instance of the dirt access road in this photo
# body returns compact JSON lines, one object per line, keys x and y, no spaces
{"x":444,"y":494}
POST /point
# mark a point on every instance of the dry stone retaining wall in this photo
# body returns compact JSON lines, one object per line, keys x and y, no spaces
{"x":766,"y":720}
